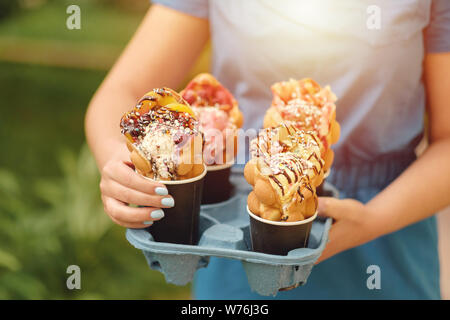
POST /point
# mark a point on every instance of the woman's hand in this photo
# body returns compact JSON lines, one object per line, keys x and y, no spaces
{"x":120,"y":185}
{"x":354,"y":224}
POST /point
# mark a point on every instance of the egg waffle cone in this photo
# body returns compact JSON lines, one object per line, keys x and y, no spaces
{"x":186,"y":159}
{"x":285,"y":169}
{"x":206,"y":91}
{"x":307,"y":106}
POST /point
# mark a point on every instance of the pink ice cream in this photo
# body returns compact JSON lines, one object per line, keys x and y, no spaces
{"x":218,"y":132}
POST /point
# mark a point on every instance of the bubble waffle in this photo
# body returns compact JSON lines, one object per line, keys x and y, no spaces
{"x":218,"y":114}
{"x":285,"y":169}
{"x":163,"y":137}
{"x":305,"y":105}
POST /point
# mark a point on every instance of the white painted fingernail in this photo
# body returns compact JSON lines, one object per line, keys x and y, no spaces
{"x":168,"y":202}
{"x":157,"y":214}
{"x":161,"y":191}
{"x":149,"y":223}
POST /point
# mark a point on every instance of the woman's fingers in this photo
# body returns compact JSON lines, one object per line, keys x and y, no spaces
{"x":335,"y":208}
{"x":129,"y":224}
{"x":339,"y":209}
{"x":328,"y":207}
{"x":122,"y":193}
{"x":126,"y":176}
{"x":131,"y":217}
{"x":121,"y":186}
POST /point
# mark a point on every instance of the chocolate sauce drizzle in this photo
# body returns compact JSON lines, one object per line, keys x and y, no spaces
{"x":286,"y":162}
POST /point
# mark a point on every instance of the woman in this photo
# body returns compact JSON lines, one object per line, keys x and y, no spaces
{"x":386,"y":61}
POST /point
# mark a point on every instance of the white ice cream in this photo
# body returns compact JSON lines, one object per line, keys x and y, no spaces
{"x":159,"y":147}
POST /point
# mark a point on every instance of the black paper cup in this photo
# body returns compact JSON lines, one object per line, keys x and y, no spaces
{"x":180,"y":223}
{"x":217,"y":186}
{"x":278,"y":237}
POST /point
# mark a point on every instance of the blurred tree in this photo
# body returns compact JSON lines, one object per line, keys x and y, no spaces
{"x":7,"y":7}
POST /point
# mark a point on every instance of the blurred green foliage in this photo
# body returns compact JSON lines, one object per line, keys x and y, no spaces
{"x":51,"y":215}
{"x":39,"y":242}
{"x":102,"y":21}
{"x":8,"y":7}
